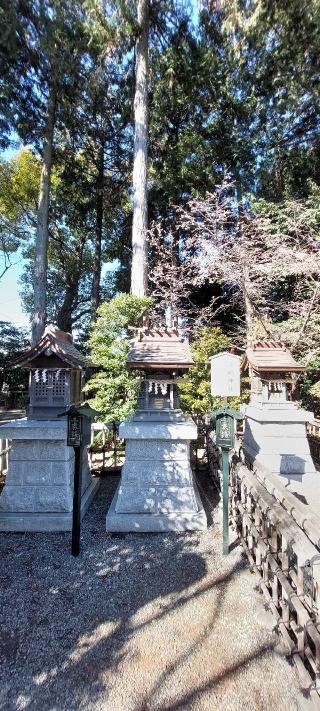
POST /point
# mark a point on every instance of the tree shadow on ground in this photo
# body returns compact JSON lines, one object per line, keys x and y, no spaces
{"x":67,"y":622}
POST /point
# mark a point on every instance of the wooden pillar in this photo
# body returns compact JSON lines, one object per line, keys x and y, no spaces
{"x":146,"y":394}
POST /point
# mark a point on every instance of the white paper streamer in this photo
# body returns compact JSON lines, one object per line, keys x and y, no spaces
{"x":157,"y":387}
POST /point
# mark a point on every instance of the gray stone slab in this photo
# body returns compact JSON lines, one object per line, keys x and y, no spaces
{"x":140,"y":430}
{"x":156,"y":478}
{"x":133,"y":499}
{"x":157,"y":450}
{"x":41,"y":471}
{"x":34,"y":429}
{"x":289,"y":412}
{"x":46,"y":522}
{"x":152,"y":472}
{"x":177,"y":475}
{"x":27,"y":450}
{"x":285,"y":464}
{"x":155,"y":522}
{"x":179,"y":499}
{"x":275,"y":437}
{"x":45,"y":499}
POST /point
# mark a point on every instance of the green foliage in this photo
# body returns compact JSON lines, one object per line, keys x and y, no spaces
{"x":19,"y":188}
{"x":113,"y":389}
{"x":13,"y":340}
{"x":195,"y":394}
{"x":19,"y":184}
{"x":309,"y":386}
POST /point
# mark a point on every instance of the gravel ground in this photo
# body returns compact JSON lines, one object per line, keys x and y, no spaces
{"x":158,"y":622}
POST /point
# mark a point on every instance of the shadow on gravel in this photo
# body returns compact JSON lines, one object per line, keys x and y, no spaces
{"x":66,"y":623}
{"x":189,"y":699}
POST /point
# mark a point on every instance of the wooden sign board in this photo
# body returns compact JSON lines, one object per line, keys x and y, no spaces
{"x":225,"y":375}
{"x":74,"y":438}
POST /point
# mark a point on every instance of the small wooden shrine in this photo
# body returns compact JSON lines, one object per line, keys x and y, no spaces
{"x":273,"y":371}
{"x":56,"y":370}
{"x":162,"y":356}
{"x":157,"y":491}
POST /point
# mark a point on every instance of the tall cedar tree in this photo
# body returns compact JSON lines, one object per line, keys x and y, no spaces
{"x":139,"y":277}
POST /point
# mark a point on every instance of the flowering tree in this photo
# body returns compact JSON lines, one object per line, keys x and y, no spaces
{"x":267,"y":259}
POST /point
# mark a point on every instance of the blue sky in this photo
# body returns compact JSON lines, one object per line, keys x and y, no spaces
{"x":10,"y":303}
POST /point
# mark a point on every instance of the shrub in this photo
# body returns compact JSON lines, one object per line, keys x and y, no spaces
{"x":195,"y":387}
{"x":113,"y":388}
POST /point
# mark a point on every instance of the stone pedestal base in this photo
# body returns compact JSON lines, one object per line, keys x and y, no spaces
{"x":157,"y":491}
{"x":275,"y":438}
{"x":38,"y":493}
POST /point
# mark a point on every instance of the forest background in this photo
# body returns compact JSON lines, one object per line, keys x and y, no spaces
{"x":233,"y":165}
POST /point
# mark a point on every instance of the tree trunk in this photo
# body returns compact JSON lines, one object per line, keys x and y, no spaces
{"x":41,"y":258}
{"x":249,"y":311}
{"x":70,"y":301}
{"x":252,"y":314}
{"x":95,"y":293}
{"x":64,"y":315}
{"x":139,"y":275}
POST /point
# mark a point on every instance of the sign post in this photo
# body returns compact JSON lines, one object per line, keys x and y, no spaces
{"x":225,"y":382}
{"x":77,"y":436}
{"x":74,"y":440}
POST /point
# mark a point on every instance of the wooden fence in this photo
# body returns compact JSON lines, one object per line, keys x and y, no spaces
{"x":283,"y":549}
{"x":106,"y":450}
{"x":287,"y":563}
{"x":313,"y":430}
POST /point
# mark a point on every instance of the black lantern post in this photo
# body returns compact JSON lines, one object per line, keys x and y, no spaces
{"x":79,"y":424}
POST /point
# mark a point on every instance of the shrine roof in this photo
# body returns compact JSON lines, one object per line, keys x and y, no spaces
{"x":154,"y":348}
{"x":59,"y":343}
{"x":271,"y":356}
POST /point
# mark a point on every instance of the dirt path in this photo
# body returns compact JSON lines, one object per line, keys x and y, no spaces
{"x":136,"y":623}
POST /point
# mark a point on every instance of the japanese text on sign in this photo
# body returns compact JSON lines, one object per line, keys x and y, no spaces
{"x":225,"y":432}
{"x":74,"y":431}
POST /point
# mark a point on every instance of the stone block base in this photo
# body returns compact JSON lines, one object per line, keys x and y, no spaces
{"x":157,"y":491}
{"x":21,"y":522}
{"x":277,"y":439}
{"x":156,"y":522}
{"x":38,"y":492}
